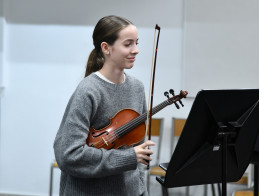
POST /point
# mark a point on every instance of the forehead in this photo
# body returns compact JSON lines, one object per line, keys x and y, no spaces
{"x":129,"y":32}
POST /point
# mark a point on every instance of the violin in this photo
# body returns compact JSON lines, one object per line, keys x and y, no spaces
{"x":127,"y":127}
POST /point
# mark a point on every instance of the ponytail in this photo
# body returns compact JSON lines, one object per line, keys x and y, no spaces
{"x":94,"y":63}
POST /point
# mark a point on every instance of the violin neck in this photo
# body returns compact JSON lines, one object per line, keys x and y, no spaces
{"x":139,"y":120}
{"x":157,"y":108}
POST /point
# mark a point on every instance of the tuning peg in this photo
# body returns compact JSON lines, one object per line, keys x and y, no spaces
{"x":166,"y":94}
{"x":171,"y":91}
{"x":176,"y":105}
{"x":181,"y":103}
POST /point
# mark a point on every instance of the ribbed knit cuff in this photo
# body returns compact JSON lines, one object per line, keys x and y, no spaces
{"x":126,"y":159}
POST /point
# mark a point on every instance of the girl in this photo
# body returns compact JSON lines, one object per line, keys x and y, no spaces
{"x":104,"y":91}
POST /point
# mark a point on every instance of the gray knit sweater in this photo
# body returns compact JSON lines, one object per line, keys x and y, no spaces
{"x":87,"y":171}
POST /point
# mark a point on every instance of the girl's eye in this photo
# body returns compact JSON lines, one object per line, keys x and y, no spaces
{"x":129,"y":44}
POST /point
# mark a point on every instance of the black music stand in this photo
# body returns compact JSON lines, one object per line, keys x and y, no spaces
{"x":255,"y":161}
{"x":217,"y":142}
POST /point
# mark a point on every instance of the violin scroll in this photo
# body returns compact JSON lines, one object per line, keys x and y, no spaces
{"x":183,"y":94}
{"x":175,"y":98}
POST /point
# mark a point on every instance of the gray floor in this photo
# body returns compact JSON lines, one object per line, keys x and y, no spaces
{"x":155,"y":189}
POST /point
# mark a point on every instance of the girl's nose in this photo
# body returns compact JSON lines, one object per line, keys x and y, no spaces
{"x":135,"y":50}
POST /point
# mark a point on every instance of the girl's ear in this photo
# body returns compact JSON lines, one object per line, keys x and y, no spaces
{"x":105,"y":48}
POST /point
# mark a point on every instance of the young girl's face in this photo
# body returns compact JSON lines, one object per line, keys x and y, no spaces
{"x":124,"y":50}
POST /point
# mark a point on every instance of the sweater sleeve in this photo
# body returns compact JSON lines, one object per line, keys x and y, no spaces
{"x":74,"y":156}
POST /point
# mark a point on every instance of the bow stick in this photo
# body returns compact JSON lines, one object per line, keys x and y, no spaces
{"x":151,"y":88}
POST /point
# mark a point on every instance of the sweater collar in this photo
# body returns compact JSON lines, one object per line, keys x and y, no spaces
{"x":112,"y":85}
{"x":98,"y":73}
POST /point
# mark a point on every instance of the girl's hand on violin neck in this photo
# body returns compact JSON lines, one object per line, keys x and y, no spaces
{"x":143,"y":153}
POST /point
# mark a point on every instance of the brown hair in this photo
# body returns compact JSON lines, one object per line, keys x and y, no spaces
{"x":106,"y":30}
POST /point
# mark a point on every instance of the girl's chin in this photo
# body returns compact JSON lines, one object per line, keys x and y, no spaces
{"x":129,"y":66}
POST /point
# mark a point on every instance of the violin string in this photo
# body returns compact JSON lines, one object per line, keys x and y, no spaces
{"x":135,"y":122}
{"x":130,"y":125}
{"x":121,"y":130}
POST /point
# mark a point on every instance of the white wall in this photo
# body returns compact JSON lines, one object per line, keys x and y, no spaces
{"x":46,"y":45}
{"x":1,"y":44}
{"x":221,"y":44}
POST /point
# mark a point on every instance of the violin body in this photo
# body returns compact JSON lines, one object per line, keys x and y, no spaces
{"x":127,"y":127}
{"x":114,"y":135}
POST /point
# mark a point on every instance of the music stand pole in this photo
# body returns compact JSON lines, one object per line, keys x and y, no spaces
{"x":224,"y":164}
{"x":255,"y":179}
{"x":224,"y":170}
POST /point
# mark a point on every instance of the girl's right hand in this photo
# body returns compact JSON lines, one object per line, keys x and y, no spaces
{"x":143,"y":153}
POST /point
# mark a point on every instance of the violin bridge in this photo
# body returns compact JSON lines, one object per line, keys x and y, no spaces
{"x":105,"y":141}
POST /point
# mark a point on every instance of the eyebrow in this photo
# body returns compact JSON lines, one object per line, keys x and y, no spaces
{"x":130,"y":40}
